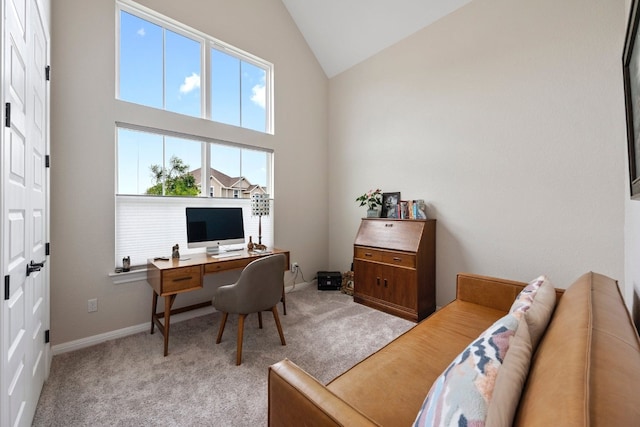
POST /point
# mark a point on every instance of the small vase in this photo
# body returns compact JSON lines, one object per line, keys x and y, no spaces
{"x":373,"y":213}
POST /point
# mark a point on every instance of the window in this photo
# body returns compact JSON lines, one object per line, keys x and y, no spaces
{"x":165,"y":65}
{"x":159,"y":175}
{"x":162,"y":64}
{"x":238,"y":92}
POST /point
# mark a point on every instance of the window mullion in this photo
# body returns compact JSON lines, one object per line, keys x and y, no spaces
{"x":205,"y":173}
{"x":205,"y":72}
{"x":240,"y":89}
{"x":164,"y":166}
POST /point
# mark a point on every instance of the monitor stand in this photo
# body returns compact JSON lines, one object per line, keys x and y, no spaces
{"x":214,"y":250}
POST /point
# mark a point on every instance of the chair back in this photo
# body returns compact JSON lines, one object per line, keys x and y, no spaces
{"x":260,"y":284}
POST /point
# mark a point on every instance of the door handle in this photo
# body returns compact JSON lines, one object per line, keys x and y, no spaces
{"x":34,"y":266}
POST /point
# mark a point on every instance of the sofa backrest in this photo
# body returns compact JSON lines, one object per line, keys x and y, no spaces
{"x":586,"y":370}
{"x":490,"y":291}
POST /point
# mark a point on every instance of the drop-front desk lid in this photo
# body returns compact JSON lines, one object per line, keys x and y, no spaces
{"x":395,"y":234}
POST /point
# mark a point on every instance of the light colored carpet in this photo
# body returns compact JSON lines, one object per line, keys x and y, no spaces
{"x":127,"y":381}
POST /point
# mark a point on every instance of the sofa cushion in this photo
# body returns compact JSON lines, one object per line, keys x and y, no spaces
{"x":538,"y":300}
{"x":461,"y":394}
{"x":511,"y":378}
{"x":401,"y":373}
{"x":586,"y":370}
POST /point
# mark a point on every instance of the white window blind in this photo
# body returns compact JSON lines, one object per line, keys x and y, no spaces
{"x":148,"y":227}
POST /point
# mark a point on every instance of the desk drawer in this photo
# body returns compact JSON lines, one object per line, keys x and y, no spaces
{"x":389,"y":257}
{"x":234,"y":264}
{"x":368,"y":254}
{"x":180,"y":279}
{"x":399,"y":258}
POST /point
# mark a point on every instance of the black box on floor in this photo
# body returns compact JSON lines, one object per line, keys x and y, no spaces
{"x":329,"y":280}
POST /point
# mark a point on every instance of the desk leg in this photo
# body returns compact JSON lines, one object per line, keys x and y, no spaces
{"x":153,"y":309}
{"x":168,"y":302}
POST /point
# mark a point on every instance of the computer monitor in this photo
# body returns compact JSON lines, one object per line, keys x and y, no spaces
{"x":214,"y":227}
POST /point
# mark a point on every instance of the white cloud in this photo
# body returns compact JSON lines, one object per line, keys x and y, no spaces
{"x":190,"y":83}
{"x":141,"y":32}
{"x":258,"y":96}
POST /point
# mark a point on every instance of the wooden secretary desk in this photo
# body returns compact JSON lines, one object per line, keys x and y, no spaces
{"x":394,"y":264}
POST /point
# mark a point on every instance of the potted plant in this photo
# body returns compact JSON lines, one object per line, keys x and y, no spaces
{"x":373,"y":200}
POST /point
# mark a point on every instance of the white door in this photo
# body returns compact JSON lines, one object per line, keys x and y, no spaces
{"x":37,"y":281}
{"x":25,"y":307}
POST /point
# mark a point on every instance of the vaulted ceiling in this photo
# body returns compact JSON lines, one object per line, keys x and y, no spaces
{"x":342,"y":33}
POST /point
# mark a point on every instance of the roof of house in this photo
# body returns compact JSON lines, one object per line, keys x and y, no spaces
{"x":224,"y":179}
{"x":227,"y":181}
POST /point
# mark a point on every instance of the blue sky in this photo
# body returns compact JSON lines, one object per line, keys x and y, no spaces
{"x":162,"y":69}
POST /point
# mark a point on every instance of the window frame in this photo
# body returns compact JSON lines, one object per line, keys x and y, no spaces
{"x":207,"y":43}
{"x":138,"y":117}
{"x":198,"y":200}
{"x":205,"y":162}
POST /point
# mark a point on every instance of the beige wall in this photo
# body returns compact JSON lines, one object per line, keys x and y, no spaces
{"x":83,"y":113}
{"x":508,"y":118}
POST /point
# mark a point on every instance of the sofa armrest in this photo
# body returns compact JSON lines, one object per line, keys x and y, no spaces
{"x":488,"y":291}
{"x":296,"y":399}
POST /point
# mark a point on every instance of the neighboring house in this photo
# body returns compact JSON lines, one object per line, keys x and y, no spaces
{"x":222,"y":185}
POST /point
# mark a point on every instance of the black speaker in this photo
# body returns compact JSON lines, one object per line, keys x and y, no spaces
{"x":329,"y":280}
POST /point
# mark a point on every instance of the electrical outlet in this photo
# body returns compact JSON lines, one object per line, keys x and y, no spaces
{"x":294,"y":268}
{"x":92,"y":305}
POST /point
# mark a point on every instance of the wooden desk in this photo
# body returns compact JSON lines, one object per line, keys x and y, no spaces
{"x":173,"y":277}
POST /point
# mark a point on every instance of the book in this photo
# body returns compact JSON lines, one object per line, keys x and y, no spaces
{"x":405,"y":213}
{"x":419,"y":209}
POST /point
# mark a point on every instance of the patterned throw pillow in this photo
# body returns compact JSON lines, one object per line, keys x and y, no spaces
{"x":527,"y":295}
{"x":461,"y":394}
{"x":538,"y":300}
{"x":510,"y":382}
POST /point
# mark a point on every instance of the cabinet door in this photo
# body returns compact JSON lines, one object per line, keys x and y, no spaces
{"x":368,"y":279}
{"x":399,"y":286}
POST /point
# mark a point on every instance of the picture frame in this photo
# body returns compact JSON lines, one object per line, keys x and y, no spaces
{"x":390,"y":202}
{"x":631,"y":78}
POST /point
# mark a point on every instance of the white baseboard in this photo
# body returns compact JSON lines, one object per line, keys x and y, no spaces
{"x":131,"y":330}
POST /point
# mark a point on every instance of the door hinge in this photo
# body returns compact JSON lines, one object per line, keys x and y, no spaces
{"x":47,"y":248}
{"x":47,"y":72}
{"x":7,"y":115}
{"x":7,"y":288}
{"x":46,"y":337}
{"x":47,"y":161}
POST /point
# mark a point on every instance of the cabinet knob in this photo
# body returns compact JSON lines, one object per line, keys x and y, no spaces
{"x":388,"y":225}
{"x":368,"y":254}
{"x":378,"y":281}
{"x":395,"y":258}
{"x":385,"y":283}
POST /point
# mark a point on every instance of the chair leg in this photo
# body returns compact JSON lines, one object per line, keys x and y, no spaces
{"x":274,"y":310}
{"x":260,"y":319}
{"x":221,"y":330}
{"x":284,"y":301}
{"x":240,"y":333}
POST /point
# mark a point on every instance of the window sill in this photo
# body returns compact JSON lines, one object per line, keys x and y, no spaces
{"x":129,"y":276}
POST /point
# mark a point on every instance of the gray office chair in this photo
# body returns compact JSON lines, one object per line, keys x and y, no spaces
{"x":258,"y":289}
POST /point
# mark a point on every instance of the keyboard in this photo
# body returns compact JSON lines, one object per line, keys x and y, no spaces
{"x":226,"y":255}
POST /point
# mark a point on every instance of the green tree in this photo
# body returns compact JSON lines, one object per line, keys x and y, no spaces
{"x":176,"y":179}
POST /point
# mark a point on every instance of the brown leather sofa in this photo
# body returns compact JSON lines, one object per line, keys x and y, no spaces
{"x":585,"y":371}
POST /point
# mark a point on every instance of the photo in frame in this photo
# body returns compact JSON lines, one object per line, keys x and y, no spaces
{"x":631,"y":77}
{"x":390,"y":203}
